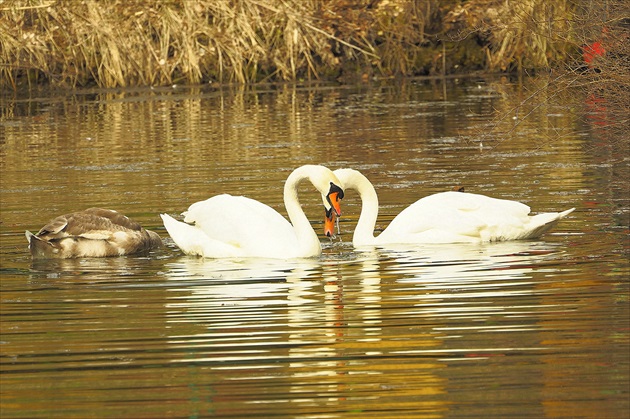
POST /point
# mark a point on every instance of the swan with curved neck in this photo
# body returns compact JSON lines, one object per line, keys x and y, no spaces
{"x":446,"y":217}
{"x":236,"y":226}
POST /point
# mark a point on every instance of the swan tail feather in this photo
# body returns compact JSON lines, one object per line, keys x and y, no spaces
{"x":194,"y":241}
{"x":29,"y":236}
{"x":185,"y":236}
{"x":541,"y":223}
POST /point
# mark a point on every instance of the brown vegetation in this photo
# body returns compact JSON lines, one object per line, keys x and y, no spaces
{"x":158,"y":42}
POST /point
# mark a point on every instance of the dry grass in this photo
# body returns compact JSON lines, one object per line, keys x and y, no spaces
{"x":160,"y":42}
{"x":154,"y":42}
{"x":517,"y":35}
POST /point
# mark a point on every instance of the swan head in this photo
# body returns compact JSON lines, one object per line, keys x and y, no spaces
{"x":333,"y":197}
{"x":324,"y":180}
{"x":332,"y":208}
{"x":350,"y":178}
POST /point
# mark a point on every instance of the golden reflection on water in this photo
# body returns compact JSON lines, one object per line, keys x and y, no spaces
{"x":333,"y":338}
{"x":213,"y":140}
{"x":429,"y":331}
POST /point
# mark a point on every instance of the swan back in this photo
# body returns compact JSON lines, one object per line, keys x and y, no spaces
{"x":451,"y":217}
{"x":233,"y":226}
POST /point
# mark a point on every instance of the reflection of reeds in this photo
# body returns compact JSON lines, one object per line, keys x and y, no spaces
{"x":183,"y":145}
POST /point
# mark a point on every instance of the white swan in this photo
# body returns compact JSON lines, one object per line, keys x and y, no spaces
{"x":236,"y":226}
{"x":447,"y":217}
{"x":95,"y":232}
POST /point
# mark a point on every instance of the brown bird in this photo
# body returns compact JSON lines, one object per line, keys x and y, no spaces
{"x":95,"y":232}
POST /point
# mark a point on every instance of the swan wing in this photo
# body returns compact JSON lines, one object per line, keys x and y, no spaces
{"x":458,"y":217}
{"x":92,"y":223}
{"x":245,"y":226}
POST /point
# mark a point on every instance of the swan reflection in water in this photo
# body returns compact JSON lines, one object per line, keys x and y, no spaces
{"x":322,"y":322}
{"x":124,"y":270}
{"x":308,"y":291}
{"x":315,"y":322}
{"x":438,"y":263}
{"x":243,"y":282}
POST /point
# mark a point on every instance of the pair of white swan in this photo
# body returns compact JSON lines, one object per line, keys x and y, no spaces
{"x":250,"y":228}
{"x":236,"y":227}
{"x":447,"y":217}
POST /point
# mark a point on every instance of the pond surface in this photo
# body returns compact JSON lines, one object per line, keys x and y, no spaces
{"x":519,"y":329}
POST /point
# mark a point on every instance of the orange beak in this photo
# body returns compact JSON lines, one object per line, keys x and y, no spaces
{"x":329,"y":223}
{"x":334,"y":200}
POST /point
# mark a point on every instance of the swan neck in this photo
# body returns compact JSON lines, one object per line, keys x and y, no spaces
{"x":364,"y":231}
{"x":306,"y":236}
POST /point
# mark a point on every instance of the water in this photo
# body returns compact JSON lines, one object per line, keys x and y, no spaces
{"x":521,"y":329}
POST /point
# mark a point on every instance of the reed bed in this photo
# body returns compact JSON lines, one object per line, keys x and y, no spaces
{"x":155,"y":42}
{"x":113,"y":43}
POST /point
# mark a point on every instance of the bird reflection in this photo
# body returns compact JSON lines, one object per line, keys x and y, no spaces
{"x":338,"y":330}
